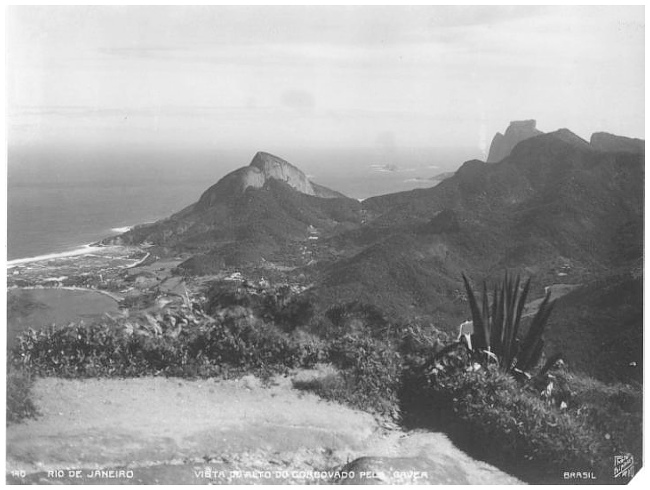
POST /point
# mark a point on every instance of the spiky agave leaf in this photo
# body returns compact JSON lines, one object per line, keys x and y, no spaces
{"x":479,"y":337}
{"x":496,"y":332}
{"x":486,"y":318}
{"x":517,"y":322}
{"x":502,"y":316}
{"x":510,"y":306}
{"x":530,"y":345}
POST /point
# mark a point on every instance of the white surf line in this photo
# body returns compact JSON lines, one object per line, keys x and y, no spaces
{"x":114,"y":297}
{"x":122,"y":229}
{"x":85,"y":250}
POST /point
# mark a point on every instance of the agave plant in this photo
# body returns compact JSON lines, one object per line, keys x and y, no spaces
{"x":497,"y":327}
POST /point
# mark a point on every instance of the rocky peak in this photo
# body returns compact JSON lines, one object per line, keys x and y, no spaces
{"x":518,"y":131}
{"x":265,"y":166}
{"x":524,"y":128}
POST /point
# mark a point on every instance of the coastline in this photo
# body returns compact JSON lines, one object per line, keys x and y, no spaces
{"x":84,"y":250}
{"x":51,"y":288}
{"x":88,"y":266}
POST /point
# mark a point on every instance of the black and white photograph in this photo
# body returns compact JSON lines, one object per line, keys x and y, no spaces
{"x":324,"y":244}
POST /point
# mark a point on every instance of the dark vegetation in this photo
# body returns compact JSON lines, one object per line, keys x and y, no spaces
{"x":536,"y":431}
{"x":368,"y":375}
{"x":281,"y":305}
{"x":599,"y":328}
{"x":178,"y":342}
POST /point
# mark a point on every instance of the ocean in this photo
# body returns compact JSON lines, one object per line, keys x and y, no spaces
{"x":61,"y":199}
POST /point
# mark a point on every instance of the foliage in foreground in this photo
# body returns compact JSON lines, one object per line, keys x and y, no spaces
{"x":205,"y":346}
{"x":550,"y":422}
{"x":368,"y":377}
{"x":559,"y":422}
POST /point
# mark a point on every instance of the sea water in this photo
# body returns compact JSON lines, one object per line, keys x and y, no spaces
{"x":61,"y":199}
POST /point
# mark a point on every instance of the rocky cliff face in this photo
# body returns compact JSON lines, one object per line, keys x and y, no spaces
{"x":611,"y":142}
{"x":263,"y":167}
{"x":518,"y":131}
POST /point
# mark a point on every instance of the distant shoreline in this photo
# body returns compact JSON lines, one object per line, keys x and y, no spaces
{"x":84,"y":250}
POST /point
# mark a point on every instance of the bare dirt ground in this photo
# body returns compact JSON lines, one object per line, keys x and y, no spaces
{"x":174,"y":431}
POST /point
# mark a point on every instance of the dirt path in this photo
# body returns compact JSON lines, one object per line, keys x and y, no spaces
{"x":157,"y":430}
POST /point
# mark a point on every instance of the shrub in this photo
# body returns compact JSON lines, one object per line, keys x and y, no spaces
{"x":233,"y":344}
{"x":616,"y":410}
{"x":371,"y":370}
{"x":537,"y":436}
{"x":359,"y":318}
{"x":370,"y":374}
{"x":418,"y":344}
{"x":282,"y":305}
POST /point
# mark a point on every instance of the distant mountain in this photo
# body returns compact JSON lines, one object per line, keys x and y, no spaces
{"x":263,"y":168}
{"x":252,"y":214}
{"x":518,"y":131}
{"x":612,"y":142}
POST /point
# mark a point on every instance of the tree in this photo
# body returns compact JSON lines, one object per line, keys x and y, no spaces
{"x":497,"y":327}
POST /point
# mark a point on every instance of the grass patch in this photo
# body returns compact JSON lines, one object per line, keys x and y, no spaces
{"x":20,"y":405}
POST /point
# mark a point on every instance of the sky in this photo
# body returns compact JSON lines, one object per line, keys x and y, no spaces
{"x":318,"y":77}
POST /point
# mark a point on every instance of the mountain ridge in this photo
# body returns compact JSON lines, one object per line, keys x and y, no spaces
{"x":610,"y":142}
